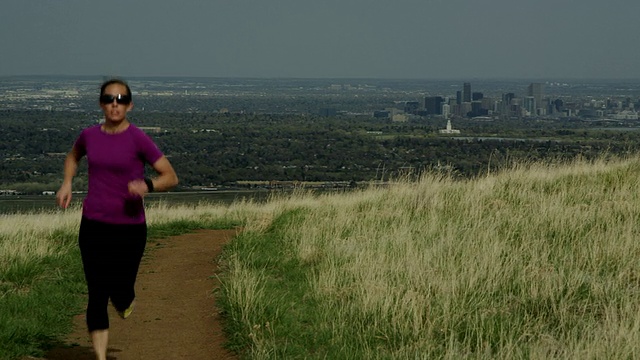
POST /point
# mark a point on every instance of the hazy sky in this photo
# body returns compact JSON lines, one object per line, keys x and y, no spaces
{"x":423,"y":39}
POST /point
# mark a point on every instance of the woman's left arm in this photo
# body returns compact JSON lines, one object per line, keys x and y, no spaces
{"x":166,"y":179}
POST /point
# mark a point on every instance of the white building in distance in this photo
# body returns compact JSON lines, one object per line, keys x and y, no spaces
{"x":449,"y":129}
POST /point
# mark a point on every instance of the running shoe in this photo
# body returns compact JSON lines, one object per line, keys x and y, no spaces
{"x":126,"y":312}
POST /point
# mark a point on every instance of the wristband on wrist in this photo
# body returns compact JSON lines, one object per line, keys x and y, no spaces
{"x":149,"y":184}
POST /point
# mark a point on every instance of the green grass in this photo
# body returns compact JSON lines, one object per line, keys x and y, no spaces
{"x":39,"y":298}
{"x":42,"y":284}
{"x":277,"y":295}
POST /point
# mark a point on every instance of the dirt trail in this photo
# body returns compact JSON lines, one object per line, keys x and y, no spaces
{"x":175,"y":315}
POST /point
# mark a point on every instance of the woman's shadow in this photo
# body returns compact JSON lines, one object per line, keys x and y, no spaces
{"x":76,"y":352}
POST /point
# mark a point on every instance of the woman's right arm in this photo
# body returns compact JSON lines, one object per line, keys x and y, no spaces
{"x":63,"y":197}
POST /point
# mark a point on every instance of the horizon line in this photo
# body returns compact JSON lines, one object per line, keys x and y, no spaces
{"x":464,"y":79}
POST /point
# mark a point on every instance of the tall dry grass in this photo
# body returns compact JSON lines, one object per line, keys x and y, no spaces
{"x":540,"y":261}
{"x":31,"y":237}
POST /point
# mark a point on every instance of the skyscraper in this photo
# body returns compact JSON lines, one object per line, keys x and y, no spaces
{"x":507,"y":100}
{"x":466,"y":92}
{"x":535,"y":90}
{"x":433,"y":105}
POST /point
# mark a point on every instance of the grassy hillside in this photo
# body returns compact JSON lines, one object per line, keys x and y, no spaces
{"x":535,"y":262}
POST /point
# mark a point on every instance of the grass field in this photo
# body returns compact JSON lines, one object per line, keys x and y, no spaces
{"x":535,"y":262}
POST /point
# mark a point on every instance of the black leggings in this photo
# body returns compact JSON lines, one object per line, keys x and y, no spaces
{"x":111,"y":255}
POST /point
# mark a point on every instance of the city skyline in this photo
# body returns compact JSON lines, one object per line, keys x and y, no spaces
{"x":456,"y":39}
{"x":397,"y":100}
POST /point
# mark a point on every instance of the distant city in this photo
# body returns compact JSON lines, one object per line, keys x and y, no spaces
{"x":532,"y":104}
{"x":224,"y":133}
{"x":399,"y":100}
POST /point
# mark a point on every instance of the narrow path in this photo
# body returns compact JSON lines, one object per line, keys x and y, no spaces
{"x":175,"y":315}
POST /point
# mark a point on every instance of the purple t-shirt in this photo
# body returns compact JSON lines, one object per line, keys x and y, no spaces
{"x":113,"y":161}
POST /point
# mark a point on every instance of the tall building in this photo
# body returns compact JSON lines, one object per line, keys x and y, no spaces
{"x":465,"y":109}
{"x":466,"y":92}
{"x":489,"y":104}
{"x":446,"y":110}
{"x":458,"y":97}
{"x":507,"y":98}
{"x":477,"y":110}
{"x":433,"y":105}
{"x":530,"y":104}
{"x":536,"y":90}
{"x":506,"y":109}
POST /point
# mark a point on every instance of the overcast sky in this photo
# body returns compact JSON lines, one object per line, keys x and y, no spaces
{"x":422,"y":39}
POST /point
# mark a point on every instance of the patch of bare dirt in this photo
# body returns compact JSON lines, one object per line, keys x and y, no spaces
{"x":175,"y":315}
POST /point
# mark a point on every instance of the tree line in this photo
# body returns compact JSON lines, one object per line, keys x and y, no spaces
{"x":214,"y":149}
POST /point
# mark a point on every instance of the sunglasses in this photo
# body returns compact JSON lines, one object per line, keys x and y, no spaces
{"x":120,"y":99}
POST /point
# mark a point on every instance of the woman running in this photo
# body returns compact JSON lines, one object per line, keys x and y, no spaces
{"x":113,"y":229}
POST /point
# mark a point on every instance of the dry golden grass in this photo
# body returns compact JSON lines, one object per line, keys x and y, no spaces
{"x":29,"y":237}
{"x":537,"y":262}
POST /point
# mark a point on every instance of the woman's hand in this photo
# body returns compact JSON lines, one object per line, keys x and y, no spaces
{"x":138,"y":187}
{"x":63,"y":196}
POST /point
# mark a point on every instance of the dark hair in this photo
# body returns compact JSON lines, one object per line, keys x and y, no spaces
{"x":115,"y":81}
